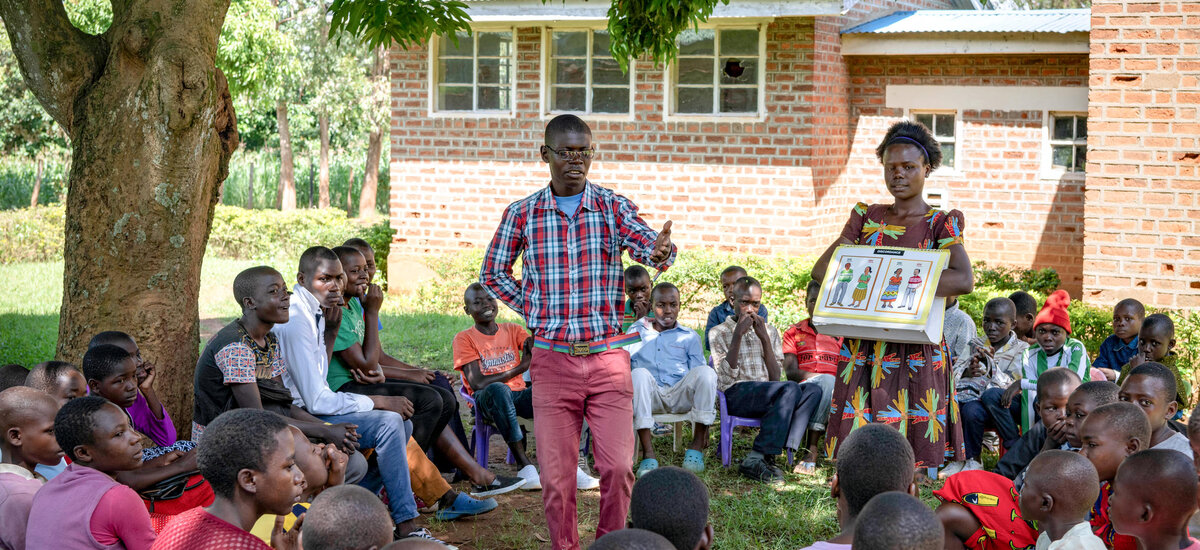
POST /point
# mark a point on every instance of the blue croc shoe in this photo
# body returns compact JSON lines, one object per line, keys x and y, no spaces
{"x":648,"y":465}
{"x":693,"y":461}
{"x":466,"y":506}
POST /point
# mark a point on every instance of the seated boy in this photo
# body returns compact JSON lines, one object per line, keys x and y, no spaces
{"x":724,"y":310}
{"x":1122,"y":344}
{"x":1054,"y":390}
{"x":1154,"y":496}
{"x":684,"y":521}
{"x":1156,"y":342}
{"x":897,"y":521}
{"x":983,"y":367}
{"x":671,"y":376}
{"x":84,"y":507}
{"x":747,"y":353}
{"x":1085,"y":399}
{"x":249,"y":458}
{"x":958,"y":330}
{"x":323,"y":466}
{"x":26,"y":441}
{"x":1055,"y":349}
{"x":1059,"y":492}
{"x":874,"y":459}
{"x":1027,"y":310}
{"x":637,"y":296}
{"x":1109,"y":435}
{"x":303,"y":346}
{"x":812,"y":358}
{"x":62,"y":380}
{"x":359,"y":366}
{"x":631,"y":539}
{"x":1151,"y":386}
{"x":147,"y":412}
{"x":332,"y":511}
{"x":492,"y":357}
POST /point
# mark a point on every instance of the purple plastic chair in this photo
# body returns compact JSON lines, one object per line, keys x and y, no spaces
{"x":481,"y":433}
{"x":728,"y":423}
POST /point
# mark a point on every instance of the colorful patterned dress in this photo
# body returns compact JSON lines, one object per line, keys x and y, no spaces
{"x":903,"y":385}
{"x":892,"y":290}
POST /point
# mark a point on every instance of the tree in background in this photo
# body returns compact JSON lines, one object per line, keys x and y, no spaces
{"x":26,"y":130}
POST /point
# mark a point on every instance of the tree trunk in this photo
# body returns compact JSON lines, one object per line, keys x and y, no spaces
{"x":370,"y":186}
{"x":287,"y":168}
{"x":323,"y":181}
{"x":250,"y":187}
{"x":350,"y":191}
{"x":37,"y":184}
{"x":152,"y":128}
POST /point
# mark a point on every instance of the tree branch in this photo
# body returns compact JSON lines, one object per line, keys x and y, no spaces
{"x":57,"y":60}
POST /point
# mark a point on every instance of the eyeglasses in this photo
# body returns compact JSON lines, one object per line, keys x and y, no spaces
{"x":566,"y":154}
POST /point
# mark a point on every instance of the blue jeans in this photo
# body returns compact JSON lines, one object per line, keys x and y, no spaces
{"x":1005,"y":419}
{"x":387,"y":433}
{"x":501,"y":406}
{"x":974,"y":421}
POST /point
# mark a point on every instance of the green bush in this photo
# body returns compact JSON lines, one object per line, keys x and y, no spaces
{"x":36,"y":234}
{"x":1041,"y":281}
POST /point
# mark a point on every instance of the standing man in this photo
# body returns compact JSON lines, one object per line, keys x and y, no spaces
{"x":910,"y":291}
{"x":570,"y":236}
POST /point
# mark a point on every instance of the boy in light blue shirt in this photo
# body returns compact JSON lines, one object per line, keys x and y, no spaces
{"x":670,"y":376}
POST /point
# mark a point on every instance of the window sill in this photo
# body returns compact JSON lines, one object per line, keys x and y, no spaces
{"x":1062,"y":175}
{"x":473,"y":114}
{"x":749,"y":118}
{"x":598,"y":117}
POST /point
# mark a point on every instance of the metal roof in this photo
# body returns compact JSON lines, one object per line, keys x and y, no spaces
{"x":1006,"y":21}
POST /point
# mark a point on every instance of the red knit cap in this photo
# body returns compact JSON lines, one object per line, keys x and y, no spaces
{"x":1055,"y":311}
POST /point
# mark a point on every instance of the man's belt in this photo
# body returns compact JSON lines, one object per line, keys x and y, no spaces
{"x":580,"y":349}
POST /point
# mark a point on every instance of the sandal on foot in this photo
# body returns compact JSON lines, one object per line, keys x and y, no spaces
{"x":647,"y":465}
{"x":693,"y":461}
{"x":805,"y":468}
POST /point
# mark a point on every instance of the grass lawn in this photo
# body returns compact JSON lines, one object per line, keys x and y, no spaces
{"x":745,"y":515}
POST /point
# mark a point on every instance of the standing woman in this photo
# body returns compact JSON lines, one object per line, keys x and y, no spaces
{"x":904,"y":385}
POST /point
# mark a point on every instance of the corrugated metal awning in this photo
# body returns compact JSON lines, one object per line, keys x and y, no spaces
{"x":969,"y":21}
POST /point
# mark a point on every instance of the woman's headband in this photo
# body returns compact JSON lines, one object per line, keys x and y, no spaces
{"x":896,"y":139}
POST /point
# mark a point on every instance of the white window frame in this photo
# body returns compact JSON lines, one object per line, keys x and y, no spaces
{"x":435,"y":110}
{"x":1049,"y":171}
{"x":945,"y":169}
{"x":670,"y":77}
{"x":547,"y":84}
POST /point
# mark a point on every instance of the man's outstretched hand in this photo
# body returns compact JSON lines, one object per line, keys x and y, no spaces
{"x":662,"y":245}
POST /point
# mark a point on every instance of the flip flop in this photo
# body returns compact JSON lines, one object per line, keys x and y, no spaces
{"x":647,"y":465}
{"x":693,"y":461}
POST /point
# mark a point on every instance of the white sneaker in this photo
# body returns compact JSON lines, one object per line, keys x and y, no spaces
{"x":972,"y":464}
{"x":951,"y":469}
{"x":585,"y":482}
{"x":533,"y":482}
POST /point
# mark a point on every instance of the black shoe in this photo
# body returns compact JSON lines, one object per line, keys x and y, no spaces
{"x":499,"y":486}
{"x":770,"y":460}
{"x":758,"y":470}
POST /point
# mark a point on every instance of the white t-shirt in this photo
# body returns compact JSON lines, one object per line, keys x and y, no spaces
{"x":1080,"y":537}
{"x":1177,"y":442}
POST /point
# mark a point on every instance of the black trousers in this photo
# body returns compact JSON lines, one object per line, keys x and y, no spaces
{"x":433,"y":406}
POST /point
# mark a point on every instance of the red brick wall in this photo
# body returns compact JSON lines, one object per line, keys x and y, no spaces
{"x":1014,"y":216}
{"x":1142,"y":219}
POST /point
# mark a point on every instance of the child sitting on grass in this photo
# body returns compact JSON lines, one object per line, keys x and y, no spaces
{"x":1054,"y":390}
{"x":1122,"y":344}
{"x":146,"y":411}
{"x":1153,"y":498}
{"x":874,"y":459}
{"x":249,"y":457}
{"x":993,"y":365}
{"x":1059,"y":492}
{"x":1156,"y":343}
{"x":1055,"y":349}
{"x":632,"y":539}
{"x":1085,"y":399}
{"x":897,"y":521}
{"x":1109,"y":435}
{"x":26,"y":441}
{"x":85,"y":507}
{"x":684,"y":521}
{"x":325,"y":525}
{"x":724,"y":310}
{"x":812,"y":358}
{"x":1151,"y":386}
{"x":62,"y":380}
{"x":1027,"y":310}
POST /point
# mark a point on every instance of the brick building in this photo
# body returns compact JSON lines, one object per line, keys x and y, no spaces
{"x":760,"y":137}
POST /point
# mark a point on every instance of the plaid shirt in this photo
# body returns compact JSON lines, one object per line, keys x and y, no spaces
{"x":752,"y":362}
{"x":572,"y":280}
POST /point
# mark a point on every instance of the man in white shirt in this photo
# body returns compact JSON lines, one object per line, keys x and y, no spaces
{"x":304,"y":344}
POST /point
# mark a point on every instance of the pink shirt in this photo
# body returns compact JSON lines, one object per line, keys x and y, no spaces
{"x":114,"y":515}
{"x":17,"y":487}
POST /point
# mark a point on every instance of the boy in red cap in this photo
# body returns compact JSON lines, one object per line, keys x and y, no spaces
{"x":1056,"y":348}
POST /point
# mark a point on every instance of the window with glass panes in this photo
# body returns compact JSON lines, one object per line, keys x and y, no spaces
{"x":1068,"y":142}
{"x":717,"y":72}
{"x":475,"y":74}
{"x":584,"y":78}
{"x":942,"y":126}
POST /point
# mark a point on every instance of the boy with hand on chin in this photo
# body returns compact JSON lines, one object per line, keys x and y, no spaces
{"x":1153,"y":498}
{"x":670,"y":375}
{"x":26,"y":441}
{"x":637,"y":292}
{"x":147,"y":412}
{"x":249,"y":457}
{"x":725,"y":310}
